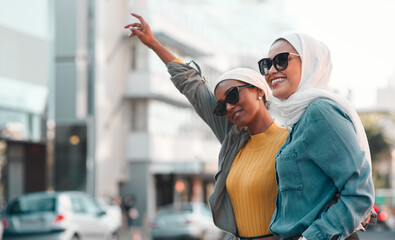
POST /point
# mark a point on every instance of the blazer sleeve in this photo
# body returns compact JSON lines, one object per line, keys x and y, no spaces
{"x":331,"y":142}
{"x":193,"y":86}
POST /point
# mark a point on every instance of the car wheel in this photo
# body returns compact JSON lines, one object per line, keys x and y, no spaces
{"x":75,"y":237}
{"x":115,"y":236}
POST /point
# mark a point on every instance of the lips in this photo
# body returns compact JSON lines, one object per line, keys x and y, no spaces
{"x":277,"y":81}
{"x":235,"y":114}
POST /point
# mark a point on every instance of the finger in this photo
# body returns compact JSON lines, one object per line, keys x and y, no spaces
{"x":135,"y":32}
{"x":140,"y":18}
{"x":137,"y":25}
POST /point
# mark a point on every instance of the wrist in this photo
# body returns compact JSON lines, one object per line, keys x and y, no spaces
{"x":155,"y":45}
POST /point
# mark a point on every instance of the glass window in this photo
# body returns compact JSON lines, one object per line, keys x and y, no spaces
{"x":176,"y":209}
{"x":20,"y":125}
{"x":139,"y":115}
{"x":133,"y":57}
{"x":32,"y":204}
{"x":14,"y":125}
{"x":171,"y":120}
{"x":36,"y":131}
{"x":82,"y":204}
{"x":77,"y":205}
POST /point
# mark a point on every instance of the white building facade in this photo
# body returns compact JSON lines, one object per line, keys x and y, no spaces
{"x":25,"y":77}
{"x":117,"y":125}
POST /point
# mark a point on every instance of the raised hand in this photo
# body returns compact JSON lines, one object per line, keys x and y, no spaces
{"x":142,"y":30}
{"x":144,"y":33}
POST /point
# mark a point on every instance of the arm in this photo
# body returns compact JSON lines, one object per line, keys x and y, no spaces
{"x":143,"y":31}
{"x":187,"y":79}
{"x":193,"y":86}
{"x":334,"y":147}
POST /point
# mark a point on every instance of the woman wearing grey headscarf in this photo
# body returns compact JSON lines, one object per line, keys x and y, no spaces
{"x":326,"y":157}
{"x":243,"y":199}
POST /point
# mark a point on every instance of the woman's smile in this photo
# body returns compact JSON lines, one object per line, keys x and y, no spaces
{"x":234,"y":114}
{"x":277,"y":81}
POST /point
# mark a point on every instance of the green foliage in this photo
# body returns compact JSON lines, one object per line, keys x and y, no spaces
{"x":379,"y":143}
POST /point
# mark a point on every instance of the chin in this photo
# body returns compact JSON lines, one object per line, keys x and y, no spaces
{"x":279,"y":96}
{"x":240,"y":123}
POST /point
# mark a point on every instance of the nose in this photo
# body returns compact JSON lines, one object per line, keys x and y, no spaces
{"x":272,"y":69}
{"x":229,"y":107}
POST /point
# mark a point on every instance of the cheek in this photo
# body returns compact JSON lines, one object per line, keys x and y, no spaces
{"x":294,"y":78}
{"x":267,"y":78}
{"x":251,"y":106}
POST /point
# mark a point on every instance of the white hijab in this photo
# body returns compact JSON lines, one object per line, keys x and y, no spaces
{"x":315,"y":76}
{"x":245,"y":75}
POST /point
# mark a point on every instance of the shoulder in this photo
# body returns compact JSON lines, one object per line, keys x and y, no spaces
{"x":325,"y":109}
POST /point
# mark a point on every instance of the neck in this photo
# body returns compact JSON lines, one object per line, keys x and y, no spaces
{"x":263,"y":121}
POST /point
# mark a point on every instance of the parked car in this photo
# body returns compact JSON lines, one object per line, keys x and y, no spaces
{"x":113,"y":215}
{"x":1,"y":231}
{"x":187,"y":220}
{"x":55,"y":216}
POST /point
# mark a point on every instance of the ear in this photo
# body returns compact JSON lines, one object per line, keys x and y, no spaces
{"x":260,"y":92}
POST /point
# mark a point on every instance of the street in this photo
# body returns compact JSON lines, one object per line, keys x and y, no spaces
{"x":368,"y":235}
{"x":377,"y":235}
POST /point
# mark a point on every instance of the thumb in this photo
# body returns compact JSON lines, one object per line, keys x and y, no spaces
{"x":137,"y":32}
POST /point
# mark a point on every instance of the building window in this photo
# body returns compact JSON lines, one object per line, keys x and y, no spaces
{"x":139,"y":115}
{"x":171,"y":120}
{"x":133,"y":57}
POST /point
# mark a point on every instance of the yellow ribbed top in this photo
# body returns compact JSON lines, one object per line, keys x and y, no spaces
{"x":251,"y":182}
{"x":178,"y":60}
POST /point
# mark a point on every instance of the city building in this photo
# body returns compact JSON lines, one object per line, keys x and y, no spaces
{"x":25,"y":76}
{"x":89,"y":86}
{"x":99,"y":107}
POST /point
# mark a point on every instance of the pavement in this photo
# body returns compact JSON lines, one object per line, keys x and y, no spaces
{"x":133,"y":233}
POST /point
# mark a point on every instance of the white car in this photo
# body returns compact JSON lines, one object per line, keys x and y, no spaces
{"x":55,"y":216}
{"x":113,"y":216}
{"x":186,"y":220}
{"x":1,"y":231}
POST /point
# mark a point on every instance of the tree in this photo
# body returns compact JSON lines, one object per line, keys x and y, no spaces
{"x":380,"y":146}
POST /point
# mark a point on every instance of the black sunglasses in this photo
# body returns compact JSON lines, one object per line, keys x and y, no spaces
{"x":280,"y":62}
{"x":232,"y":97}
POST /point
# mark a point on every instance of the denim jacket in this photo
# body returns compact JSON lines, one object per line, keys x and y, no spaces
{"x":321,"y":157}
{"x":191,"y":84}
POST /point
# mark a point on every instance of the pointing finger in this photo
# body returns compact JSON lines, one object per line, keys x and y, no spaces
{"x":140,"y":18}
{"x":137,"y":25}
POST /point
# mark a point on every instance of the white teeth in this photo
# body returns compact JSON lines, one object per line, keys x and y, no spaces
{"x":278,"y":80}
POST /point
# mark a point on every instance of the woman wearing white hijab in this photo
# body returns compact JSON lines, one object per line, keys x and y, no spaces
{"x":243,"y":200}
{"x":326,"y":153}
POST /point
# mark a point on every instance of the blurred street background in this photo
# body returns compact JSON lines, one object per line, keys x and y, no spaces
{"x":85,"y":108}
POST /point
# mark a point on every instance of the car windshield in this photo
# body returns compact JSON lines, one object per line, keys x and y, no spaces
{"x":176,"y":209}
{"x":32,"y":204}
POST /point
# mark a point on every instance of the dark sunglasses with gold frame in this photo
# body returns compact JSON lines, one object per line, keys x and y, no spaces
{"x":280,"y":62}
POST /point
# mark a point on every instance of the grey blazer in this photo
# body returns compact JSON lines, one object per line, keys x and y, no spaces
{"x":193,"y":85}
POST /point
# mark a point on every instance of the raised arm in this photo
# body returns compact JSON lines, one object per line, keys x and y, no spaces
{"x":186,"y":79}
{"x":143,"y":31}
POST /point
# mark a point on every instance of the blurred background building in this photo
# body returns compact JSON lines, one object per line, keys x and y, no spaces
{"x":84,"y":107}
{"x":25,"y":76}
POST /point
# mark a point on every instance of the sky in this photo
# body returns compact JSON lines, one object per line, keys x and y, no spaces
{"x":361,"y":37}
{"x":359,"y":33}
